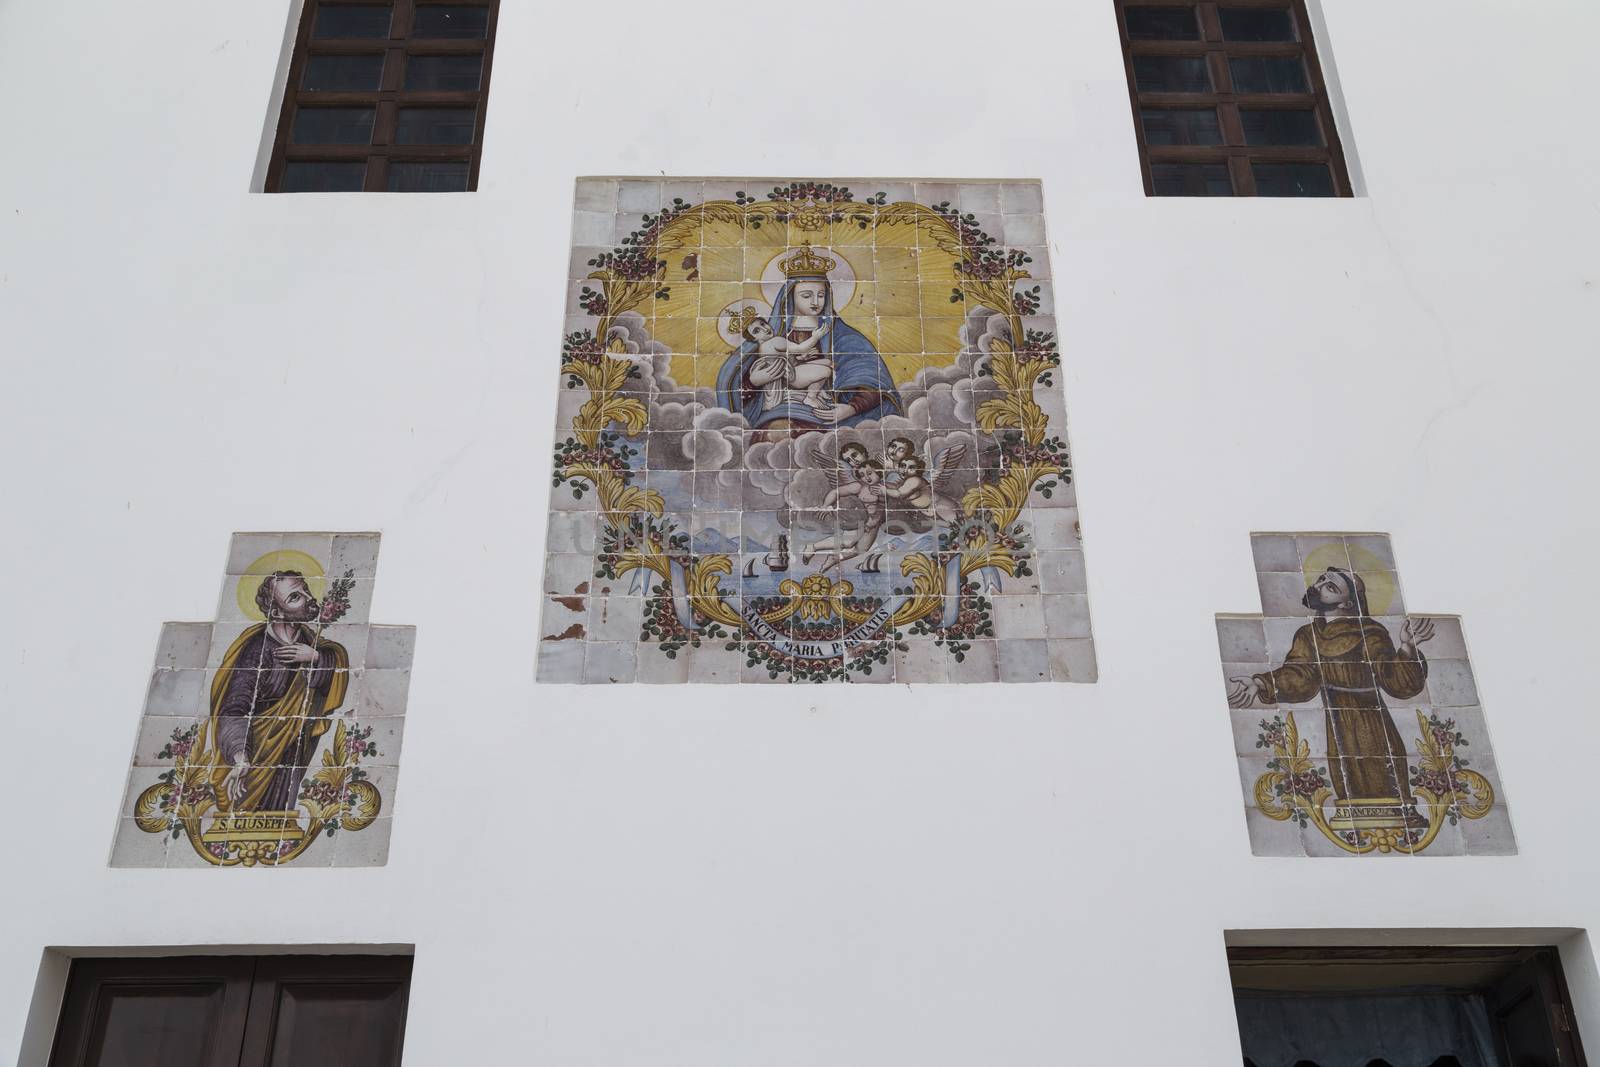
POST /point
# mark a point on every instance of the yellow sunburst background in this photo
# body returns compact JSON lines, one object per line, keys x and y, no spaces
{"x":901,"y":301}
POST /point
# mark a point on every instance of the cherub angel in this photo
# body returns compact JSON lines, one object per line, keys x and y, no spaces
{"x":857,"y":478}
{"x":933,"y":495}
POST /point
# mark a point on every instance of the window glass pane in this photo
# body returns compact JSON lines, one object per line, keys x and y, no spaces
{"x":1162,"y":24}
{"x":1171,"y":74}
{"x":1163,"y":126}
{"x":429,"y":177}
{"x":1256,"y":24}
{"x":1286,"y":75}
{"x":333,"y":125}
{"x":352,"y":20}
{"x":1190,"y":179}
{"x":450,"y":20}
{"x":1278,"y":127}
{"x":435,"y":125}
{"x":310,"y":176}
{"x":443,"y":74}
{"x":343,"y":73}
{"x":1293,"y":179}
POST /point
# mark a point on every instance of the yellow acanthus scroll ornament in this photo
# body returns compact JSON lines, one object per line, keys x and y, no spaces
{"x":948,"y":259}
{"x":338,"y":796}
{"x":1295,"y":788}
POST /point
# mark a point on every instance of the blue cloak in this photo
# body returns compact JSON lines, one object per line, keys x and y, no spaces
{"x":856,"y":365}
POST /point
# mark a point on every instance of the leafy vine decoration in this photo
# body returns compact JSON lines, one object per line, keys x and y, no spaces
{"x":336,"y":796}
{"x":985,"y":274}
{"x":1295,"y":788}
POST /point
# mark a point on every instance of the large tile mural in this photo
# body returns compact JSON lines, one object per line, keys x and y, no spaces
{"x":1356,"y":723}
{"x":272,"y":735}
{"x":812,"y":431}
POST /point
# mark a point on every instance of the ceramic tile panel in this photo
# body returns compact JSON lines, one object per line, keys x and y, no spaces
{"x":272,"y":735}
{"x":812,"y":431}
{"x":1356,"y":723}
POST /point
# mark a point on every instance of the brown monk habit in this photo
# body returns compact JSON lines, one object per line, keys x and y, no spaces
{"x":1352,"y":661}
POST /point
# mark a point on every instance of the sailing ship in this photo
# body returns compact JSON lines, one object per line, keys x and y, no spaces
{"x":873,"y":564}
{"x":778,"y":558}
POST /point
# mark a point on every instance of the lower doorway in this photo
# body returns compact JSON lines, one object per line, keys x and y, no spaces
{"x":234,"y":1011}
{"x":1489,"y":1006}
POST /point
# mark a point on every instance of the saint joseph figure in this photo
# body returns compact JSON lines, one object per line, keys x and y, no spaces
{"x":1349,"y":658}
{"x":270,"y":701}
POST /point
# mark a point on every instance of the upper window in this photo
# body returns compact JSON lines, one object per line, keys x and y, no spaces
{"x":1229,"y":100}
{"x":385,"y":95}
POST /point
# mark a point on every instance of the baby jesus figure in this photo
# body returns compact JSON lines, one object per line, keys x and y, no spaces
{"x":783,"y":365}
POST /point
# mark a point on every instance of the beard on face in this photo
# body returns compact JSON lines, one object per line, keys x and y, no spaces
{"x":305,"y":612}
{"x":1317,"y":600}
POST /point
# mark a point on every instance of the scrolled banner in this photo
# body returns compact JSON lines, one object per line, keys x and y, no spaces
{"x":869,"y":629}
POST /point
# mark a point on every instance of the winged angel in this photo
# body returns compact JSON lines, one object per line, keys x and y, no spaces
{"x":859,"y":483}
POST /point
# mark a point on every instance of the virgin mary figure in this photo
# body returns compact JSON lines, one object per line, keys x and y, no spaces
{"x":861,"y":387}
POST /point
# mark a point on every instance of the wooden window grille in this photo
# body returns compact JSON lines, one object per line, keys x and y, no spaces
{"x":385,"y":96}
{"x":1229,"y":99}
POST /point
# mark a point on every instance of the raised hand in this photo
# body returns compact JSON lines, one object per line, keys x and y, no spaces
{"x":1413,"y":633}
{"x":1241,"y":693}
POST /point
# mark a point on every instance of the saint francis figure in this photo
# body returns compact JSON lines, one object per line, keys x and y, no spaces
{"x":1349,"y":658}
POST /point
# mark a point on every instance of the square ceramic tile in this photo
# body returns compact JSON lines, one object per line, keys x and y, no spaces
{"x":820,"y":422}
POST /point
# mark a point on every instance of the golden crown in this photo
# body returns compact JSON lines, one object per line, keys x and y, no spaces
{"x":807,"y":264}
{"x":739,"y":321}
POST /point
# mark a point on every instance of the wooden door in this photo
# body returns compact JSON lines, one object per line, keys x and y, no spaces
{"x":154,"y":1012}
{"x":1533,"y":1016}
{"x":327,"y":1011}
{"x":234,"y":1011}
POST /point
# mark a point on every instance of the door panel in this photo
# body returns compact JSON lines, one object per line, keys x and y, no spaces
{"x":234,"y":1011}
{"x":153,"y":1013}
{"x":328,"y":1011}
{"x":1531,"y":1014}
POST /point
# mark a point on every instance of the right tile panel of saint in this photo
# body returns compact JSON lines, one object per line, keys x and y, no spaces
{"x":1356,"y":723}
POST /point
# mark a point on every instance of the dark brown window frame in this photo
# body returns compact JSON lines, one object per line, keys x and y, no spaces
{"x":1233,"y":151}
{"x":387,"y":100}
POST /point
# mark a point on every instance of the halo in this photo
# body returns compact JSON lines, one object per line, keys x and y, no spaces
{"x":284,"y":559}
{"x":842,"y":278}
{"x":1378,"y":579}
{"x":734,"y":340}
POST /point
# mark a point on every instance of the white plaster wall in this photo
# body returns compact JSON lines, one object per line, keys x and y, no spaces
{"x":735,"y":876}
